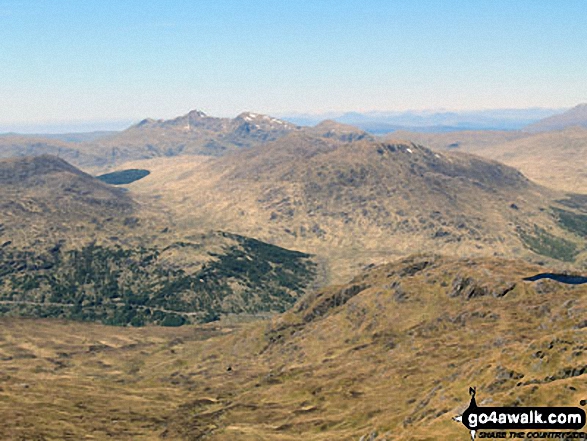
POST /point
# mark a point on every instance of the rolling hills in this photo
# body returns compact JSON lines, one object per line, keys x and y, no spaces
{"x":555,"y":159}
{"x":72,"y":246}
{"x":552,"y":158}
{"x":361,"y":202}
{"x":390,"y":354}
{"x":207,"y":235}
{"x":14,"y":146}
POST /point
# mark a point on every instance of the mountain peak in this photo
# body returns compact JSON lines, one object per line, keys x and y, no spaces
{"x":251,"y":116}
{"x":197,"y":114}
{"x":265,"y":121}
{"x":146,"y":122}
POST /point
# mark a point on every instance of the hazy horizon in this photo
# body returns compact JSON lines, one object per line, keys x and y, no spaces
{"x":119,"y":61}
{"x":303,"y":118}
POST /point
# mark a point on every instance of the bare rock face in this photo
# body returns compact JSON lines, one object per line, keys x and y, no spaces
{"x":468,"y":288}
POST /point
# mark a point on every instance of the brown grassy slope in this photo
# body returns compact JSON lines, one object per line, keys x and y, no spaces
{"x":355,"y":203}
{"x":577,"y":116}
{"x":556,"y":159}
{"x":395,"y":350}
{"x":471,"y":141}
{"x":45,"y":199}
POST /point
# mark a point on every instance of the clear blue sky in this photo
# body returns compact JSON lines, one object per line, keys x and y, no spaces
{"x":63,"y":60}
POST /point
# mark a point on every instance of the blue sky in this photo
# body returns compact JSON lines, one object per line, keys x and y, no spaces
{"x":63,"y":60}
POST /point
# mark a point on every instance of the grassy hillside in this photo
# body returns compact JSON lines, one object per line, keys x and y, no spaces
{"x":74,"y":247}
{"x":575,"y":117}
{"x":555,"y":159}
{"x":357,"y":203}
{"x":392,"y":352}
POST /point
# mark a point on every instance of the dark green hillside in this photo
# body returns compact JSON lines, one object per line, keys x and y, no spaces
{"x":119,"y":286}
{"x":123,"y":177}
{"x":573,"y":222}
{"x":542,"y":242}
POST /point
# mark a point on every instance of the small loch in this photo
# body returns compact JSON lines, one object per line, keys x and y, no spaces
{"x":563,"y":278}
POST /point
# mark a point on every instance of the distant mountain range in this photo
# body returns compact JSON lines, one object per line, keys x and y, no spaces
{"x":432,"y":121}
{"x":194,"y":133}
{"x":376,"y":122}
{"x":199,"y":134}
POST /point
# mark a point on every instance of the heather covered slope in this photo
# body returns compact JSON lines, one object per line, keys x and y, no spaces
{"x":360,"y":202}
{"x":393,"y":351}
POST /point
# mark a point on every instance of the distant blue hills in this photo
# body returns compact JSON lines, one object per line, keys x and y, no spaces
{"x":432,"y":121}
